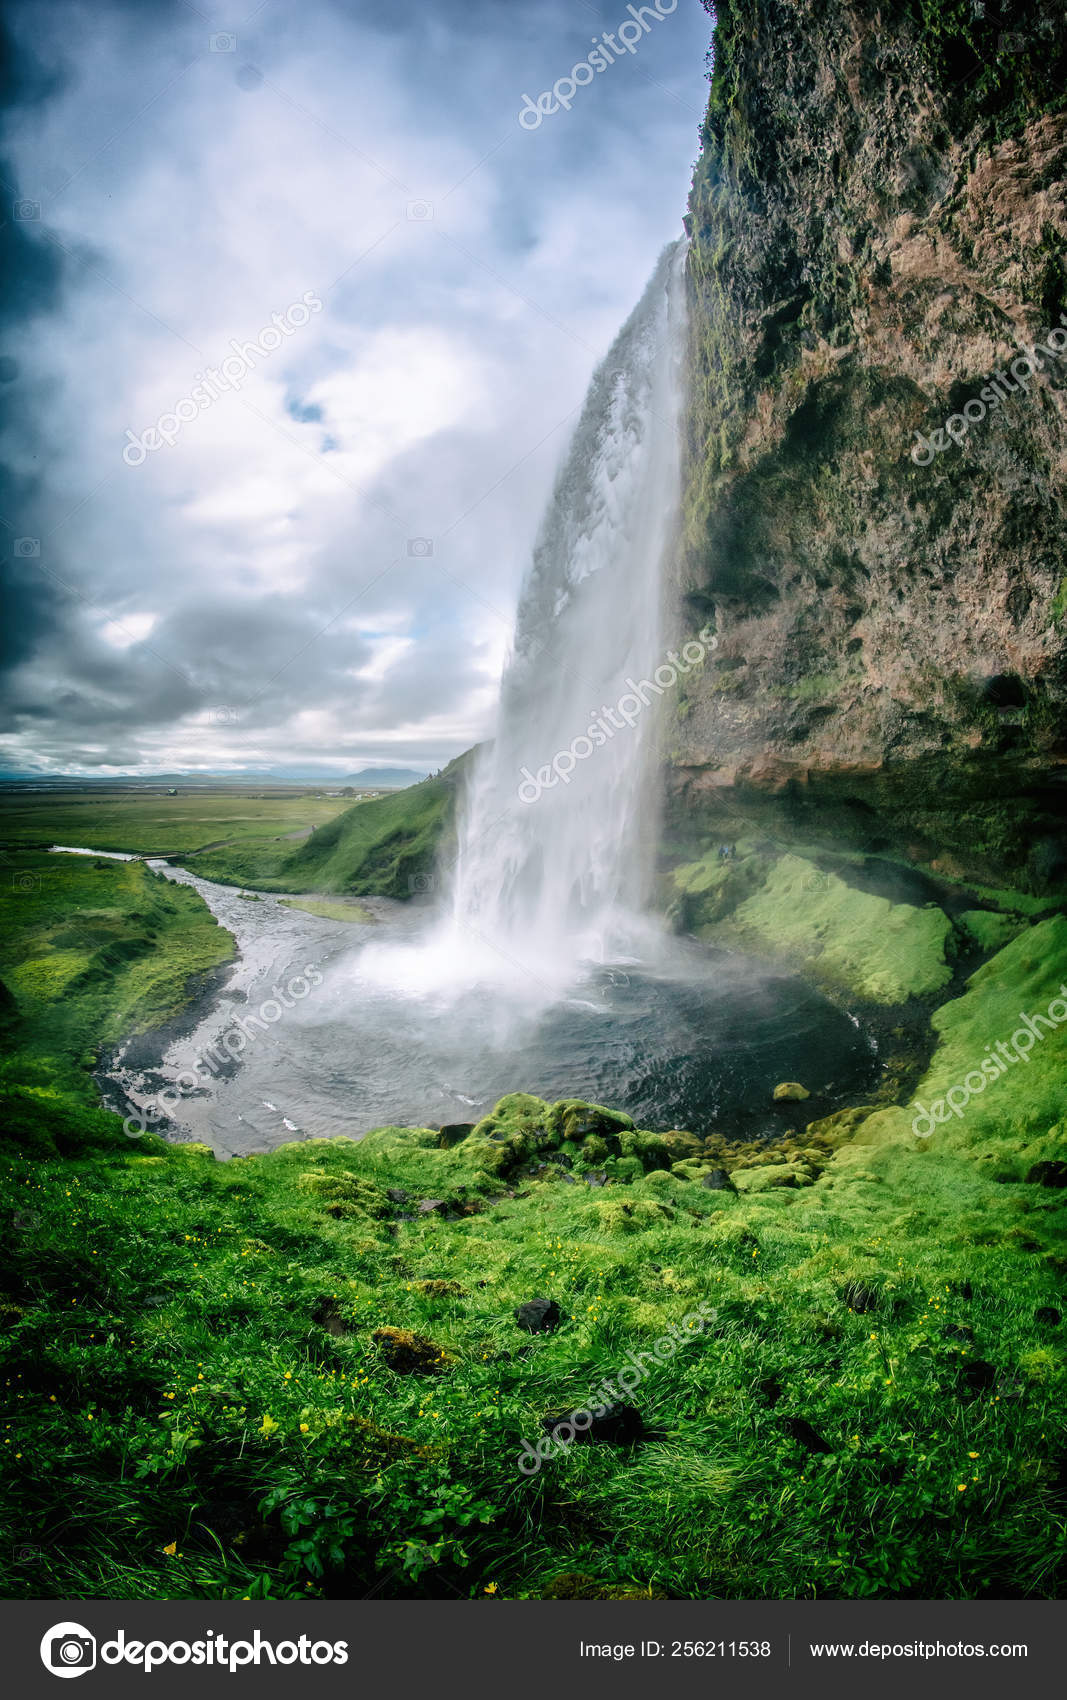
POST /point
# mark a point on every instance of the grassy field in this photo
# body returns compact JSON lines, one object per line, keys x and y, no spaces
{"x":89,"y":953}
{"x":385,"y":847}
{"x":158,"y":825}
{"x":279,"y":1376}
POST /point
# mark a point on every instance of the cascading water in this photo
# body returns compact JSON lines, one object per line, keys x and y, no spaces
{"x":556,"y":840}
{"x":538,"y":973}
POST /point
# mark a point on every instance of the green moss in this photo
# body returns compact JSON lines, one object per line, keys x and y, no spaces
{"x":329,"y":911}
{"x":388,"y":847}
{"x":1022,"y":1109}
{"x":883,"y":951}
{"x":988,"y":928}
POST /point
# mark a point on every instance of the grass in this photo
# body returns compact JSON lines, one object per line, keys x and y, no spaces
{"x":881,"y":951}
{"x":89,"y":953}
{"x":386,"y":847}
{"x":196,"y":1350}
{"x":155,"y":825}
{"x":328,"y":911}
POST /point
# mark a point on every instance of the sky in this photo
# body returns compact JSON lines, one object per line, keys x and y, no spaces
{"x":302,"y":318}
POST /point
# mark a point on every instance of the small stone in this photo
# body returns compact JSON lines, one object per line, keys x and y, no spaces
{"x":539,"y":1316}
{"x":432,"y":1206}
{"x":1050,"y":1173}
{"x":790,"y":1091}
{"x":613,"y":1425}
{"x":802,"y":1431}
{"x":397,"y":1194}
{"x":717,"y":1180}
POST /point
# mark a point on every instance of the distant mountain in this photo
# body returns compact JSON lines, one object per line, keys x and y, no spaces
{"x":372,"y":778}
{"x":392,"y":776}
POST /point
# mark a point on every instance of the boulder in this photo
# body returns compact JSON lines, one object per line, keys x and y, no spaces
{"x":717,"y":1180}
{"x":768,"y":1175}
{"x":539,"y":1316}
{"x":790,"y":1091}
{"x":1053,"y":1172}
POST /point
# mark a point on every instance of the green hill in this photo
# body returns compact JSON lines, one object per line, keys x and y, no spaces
{"x":386,"y":847}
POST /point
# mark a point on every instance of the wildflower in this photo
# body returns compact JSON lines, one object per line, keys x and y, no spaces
{"x":972,"y":1454}
{"x":303,"y":1428}
{"x":268,"y":1426}
{"x":171,"y":1550}
{"x":961,"y":1487}
{"x":491,"y":1589}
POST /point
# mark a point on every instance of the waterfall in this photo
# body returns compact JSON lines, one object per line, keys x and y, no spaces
{"x":556,"y":841}
{"x":557,"y":829}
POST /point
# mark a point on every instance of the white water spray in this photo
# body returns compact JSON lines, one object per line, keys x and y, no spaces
{"x":557,"y":834}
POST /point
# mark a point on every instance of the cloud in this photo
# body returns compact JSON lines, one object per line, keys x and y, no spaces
{"x":330,"y":548}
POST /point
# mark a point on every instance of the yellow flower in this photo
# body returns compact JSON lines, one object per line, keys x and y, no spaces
{"x":972,"y":1454}
{"x":171,"y":1550}
{"x":303,"y":1428}
{"x":268,"y":1425}
{"x":961,"y":1487}
{"x":491,"y":1588}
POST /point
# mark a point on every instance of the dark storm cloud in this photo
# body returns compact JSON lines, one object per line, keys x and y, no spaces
{"x":320,"y":561}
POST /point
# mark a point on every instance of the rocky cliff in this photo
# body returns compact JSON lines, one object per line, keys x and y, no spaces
{"x":877,"y":434}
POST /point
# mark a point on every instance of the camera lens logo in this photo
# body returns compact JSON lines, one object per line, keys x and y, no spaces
{"x":67,"y":1649}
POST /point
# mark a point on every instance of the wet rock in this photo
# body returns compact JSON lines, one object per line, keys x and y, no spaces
{"x":789,"y":1092}
{"x":397,"y":1195}
{"x":596,"y":1177}
{"x":612,"y":1425}
{"x":717,"y":1180}
{"x":801,"y":1431}
{"x":452,"y":1133}
{"x":539,"y":1316}
{"x":682,"y":1145}
{"x":408,"y":1353}
{"x":1053,"y":1172}
{"x":432,"y":1207}
{"x":1047,"y":1316}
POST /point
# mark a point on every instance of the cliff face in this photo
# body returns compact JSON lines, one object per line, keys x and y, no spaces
{"x":879,"y":227}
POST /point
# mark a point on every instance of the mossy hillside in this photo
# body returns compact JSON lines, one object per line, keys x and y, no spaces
{"x":882,"y":951}
{"x":90,"y":953}
{"x":200,"y":1347}
{"x":1017,"y":1118}
{"x":387,"y":847}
